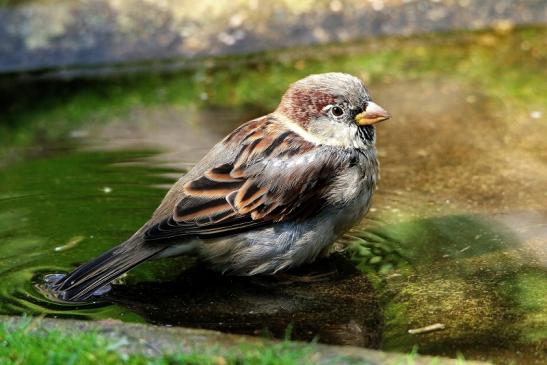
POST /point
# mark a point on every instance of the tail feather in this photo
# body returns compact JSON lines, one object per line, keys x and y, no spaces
{"x":86,"y":279}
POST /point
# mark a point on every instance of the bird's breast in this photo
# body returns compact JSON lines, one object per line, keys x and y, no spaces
{"x":353,"y":189}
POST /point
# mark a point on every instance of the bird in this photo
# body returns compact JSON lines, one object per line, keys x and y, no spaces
{"x":274,"y":194}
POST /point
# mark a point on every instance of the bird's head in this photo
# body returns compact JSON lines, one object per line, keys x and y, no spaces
{"x":335,"y":108}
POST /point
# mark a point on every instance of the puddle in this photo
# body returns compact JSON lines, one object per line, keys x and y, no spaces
{"x":457,"y":235}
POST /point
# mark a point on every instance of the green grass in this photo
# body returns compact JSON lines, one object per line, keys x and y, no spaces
{"x":27,"y":343}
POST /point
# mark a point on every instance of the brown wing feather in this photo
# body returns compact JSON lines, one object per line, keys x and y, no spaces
{"x":244,"y":194}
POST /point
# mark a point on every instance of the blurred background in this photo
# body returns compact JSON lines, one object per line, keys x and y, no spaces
{"x":104,"y":103}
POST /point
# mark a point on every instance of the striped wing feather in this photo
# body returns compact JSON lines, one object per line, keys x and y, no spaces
{"x":247,"y":193}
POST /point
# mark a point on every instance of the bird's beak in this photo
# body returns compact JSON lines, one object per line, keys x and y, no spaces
{"x":373,"y":114}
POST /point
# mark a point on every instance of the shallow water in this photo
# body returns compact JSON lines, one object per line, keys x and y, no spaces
{"x":457,"y":234}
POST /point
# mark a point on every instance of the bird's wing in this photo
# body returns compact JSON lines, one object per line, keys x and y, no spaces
{"x":275,"y":177}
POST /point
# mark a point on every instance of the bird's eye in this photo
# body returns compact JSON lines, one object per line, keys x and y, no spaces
{"x":337,"y":111}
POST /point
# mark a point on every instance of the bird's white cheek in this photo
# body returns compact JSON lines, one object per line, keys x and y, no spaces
{"x":333,"y":133}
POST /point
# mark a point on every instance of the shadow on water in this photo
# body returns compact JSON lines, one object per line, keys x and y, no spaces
{"x":329,"y":300}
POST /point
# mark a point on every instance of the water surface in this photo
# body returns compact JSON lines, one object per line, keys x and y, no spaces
{"x":457,"y":234}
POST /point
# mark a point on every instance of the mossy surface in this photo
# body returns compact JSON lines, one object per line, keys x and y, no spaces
{"x":469,"y":273}
{"x":26,"y":344}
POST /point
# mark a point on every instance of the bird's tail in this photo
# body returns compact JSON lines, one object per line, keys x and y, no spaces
{"x":86,"y":279}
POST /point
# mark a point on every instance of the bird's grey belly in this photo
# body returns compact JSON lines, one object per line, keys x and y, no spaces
{"x":283,"y":245}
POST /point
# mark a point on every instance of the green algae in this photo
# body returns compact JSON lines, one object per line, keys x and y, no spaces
{"x":47,"y":202}
{"x":469,"y":273}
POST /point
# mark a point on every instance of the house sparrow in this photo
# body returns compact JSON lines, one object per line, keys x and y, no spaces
{"x":272,"y":195}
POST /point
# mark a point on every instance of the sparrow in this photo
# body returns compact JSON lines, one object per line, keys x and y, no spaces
{"x":272,"y":195}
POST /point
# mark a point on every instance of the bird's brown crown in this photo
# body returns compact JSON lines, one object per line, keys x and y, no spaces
{"x":306,"y":98}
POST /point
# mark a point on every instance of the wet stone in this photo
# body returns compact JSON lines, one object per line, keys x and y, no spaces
{"x":329,"y":300}
{"x":87,"y":37}
{"x":157,"y":340}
